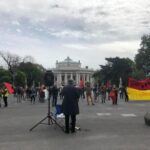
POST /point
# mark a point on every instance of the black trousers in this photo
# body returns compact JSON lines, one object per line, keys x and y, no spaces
{"x":33,"y":99}
{"x":54,"y":101}
{"x":73,"y":123}
{"x":5,"y":101}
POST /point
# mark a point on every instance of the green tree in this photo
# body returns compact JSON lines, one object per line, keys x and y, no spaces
{"x":115,"y":69}
{"x":138,"y":73}
{"x":20,"y":79}
{"x":12,"y":61}
{"x":97,"y":77}
{"x":34,"y":72}
{"x":142,"y":58}
{"x":5,"y":76}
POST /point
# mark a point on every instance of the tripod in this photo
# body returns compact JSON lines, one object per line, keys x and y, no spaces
{"x":50,"y":118}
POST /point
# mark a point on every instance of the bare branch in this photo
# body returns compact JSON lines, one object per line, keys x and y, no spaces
{"x":28,"y":59}
{"x":11,"y":60}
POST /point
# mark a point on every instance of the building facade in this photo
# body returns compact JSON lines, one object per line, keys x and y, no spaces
{"x":69,"y":69}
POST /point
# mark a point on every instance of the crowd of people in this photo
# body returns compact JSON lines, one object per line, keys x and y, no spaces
{"x":70,"y":96}
{"x":92,"y":94}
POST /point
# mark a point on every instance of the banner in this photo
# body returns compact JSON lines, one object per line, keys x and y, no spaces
{"x":139,"y":84}
{"x":134,"y":94}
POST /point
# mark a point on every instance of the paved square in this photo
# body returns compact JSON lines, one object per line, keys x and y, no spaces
{"x":103,"y":127}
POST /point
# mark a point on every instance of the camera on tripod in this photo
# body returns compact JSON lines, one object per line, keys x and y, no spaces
{"x":49,"y":81}
{"x":49,"y":78}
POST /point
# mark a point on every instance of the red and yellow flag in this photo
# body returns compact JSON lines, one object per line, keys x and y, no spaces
{"x":138,"y":89}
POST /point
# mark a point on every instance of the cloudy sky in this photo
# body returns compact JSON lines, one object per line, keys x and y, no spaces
{"x":85,"y":30}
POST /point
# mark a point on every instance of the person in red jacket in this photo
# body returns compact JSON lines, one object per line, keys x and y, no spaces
{"x":114,"y":95}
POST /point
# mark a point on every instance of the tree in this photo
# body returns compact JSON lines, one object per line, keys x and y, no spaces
{"x":97,"y":77}
{"x":34,"y":72}
{"x":142,"y":59}
{"x":27,"y":59}
{"x":5,"y":76}
{"x":12,"y":61}
{"x":20,"y":79}
{"x":138,"y":73}
{"x":116,"y":68}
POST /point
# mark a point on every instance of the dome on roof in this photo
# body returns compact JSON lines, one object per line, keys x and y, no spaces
{"x":68,"y":60}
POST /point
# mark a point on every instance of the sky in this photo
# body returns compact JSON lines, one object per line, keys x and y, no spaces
{"x":85,"y":30}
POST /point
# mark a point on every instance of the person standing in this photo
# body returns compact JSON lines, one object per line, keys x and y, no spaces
{"x":95,"y":92}
{"x":5,"y":96}
{"x":33,"y":95}
{"x":42,"y":94}
{"x":88,"y":91}
{"x":126,"y":94}
{"x":114,"y":95}
{"x":103,"y":93}
{"x":70,"y":106}
{"x":1,"y":92}
{"x":121,"y":92}
{"x":54,"y":95}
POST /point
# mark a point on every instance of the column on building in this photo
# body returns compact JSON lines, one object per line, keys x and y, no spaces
{"x":84,"y":78}
{"x":65,"y":78}
{"x":88,"y":78}
{"x":91,"y":80}
{"x":71,"y":76}
{"x":59,"y":79}
{"x":77,"y":78}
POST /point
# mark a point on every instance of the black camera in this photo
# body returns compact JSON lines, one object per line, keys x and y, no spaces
{"x":49,"y":78}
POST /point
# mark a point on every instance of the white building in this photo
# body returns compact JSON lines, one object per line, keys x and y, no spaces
{"x":69,"y":69}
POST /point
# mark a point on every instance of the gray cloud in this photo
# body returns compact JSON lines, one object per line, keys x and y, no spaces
{"x":85,"y":25}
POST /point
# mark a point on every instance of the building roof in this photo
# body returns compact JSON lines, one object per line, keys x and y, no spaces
{"x":69,"y":65}
{"x":68,"y":59}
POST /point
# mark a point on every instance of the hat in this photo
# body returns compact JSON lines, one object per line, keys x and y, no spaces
{"x":70,"y":82}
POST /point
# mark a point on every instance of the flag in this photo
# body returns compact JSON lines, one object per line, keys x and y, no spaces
{"x":108,"y":84}
{"x":138,"y":89}
{"x":139,"y":84}
{"x":135,"y":94}
{"x":9,"y":87}
{"x":81,"y":84}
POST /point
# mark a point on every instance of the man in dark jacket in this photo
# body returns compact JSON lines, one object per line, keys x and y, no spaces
{"x":55,"y":95}
{"x":70,"y":105}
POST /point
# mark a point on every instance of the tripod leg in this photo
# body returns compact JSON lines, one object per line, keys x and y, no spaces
{"x":38,"y":123}
{"x":57,"y":123}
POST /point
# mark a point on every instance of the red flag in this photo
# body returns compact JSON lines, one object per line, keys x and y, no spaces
{"x":9,"y":87}
{"x":108,"y":84}
{"x":139,"y":84}
{"x":81,"y":84}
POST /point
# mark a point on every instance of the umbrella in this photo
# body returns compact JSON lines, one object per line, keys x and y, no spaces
{"x":9,"y":87}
